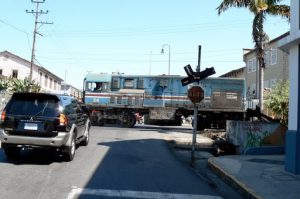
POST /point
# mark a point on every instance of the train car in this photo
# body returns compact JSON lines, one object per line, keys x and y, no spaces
{"x":116,"y":98}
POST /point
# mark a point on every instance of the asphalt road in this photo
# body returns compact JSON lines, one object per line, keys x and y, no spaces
{"x":117,"y":163}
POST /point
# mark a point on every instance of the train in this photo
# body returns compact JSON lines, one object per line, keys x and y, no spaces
{"x":161,"y":99}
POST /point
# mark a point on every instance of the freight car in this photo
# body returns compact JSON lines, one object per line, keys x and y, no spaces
{"x":116,"y":98}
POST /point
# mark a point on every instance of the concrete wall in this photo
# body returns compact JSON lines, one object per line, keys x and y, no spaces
{"x":246,"y":135}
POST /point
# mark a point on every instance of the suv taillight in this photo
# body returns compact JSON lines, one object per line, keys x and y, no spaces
{"x":63,"y":120}
{"x":3,"y":116}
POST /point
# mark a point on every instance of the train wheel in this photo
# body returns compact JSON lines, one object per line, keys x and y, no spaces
{"x":129,"y":122}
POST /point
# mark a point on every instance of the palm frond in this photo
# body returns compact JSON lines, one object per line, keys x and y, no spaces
{"x":232,"y":3}
{"x":279,"y":10}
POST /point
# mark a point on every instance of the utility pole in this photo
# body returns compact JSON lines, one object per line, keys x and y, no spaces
{"x":36,"y":14}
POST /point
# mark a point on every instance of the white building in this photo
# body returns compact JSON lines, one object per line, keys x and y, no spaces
{"x":12,"y":65}
{"x":292,"y":45}
{"x":70,"y":90}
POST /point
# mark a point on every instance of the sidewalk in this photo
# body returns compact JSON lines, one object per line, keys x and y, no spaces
{"x":259,"y":176}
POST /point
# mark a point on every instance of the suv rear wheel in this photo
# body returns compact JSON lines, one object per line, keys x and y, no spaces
{"x":70,"y":150}
{"x":86,"y":139}
{"x":12,"y":152}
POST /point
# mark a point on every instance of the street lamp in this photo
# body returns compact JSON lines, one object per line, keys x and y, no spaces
{"x":162,"y":52}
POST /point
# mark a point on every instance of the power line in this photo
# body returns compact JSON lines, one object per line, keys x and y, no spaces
{"x":18,"y":29}
{"x":149,"y":30}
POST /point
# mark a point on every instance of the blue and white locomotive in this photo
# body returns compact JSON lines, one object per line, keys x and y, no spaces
{"x":116,"y":98}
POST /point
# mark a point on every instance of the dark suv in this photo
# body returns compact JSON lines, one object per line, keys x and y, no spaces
{"x":43,"y":120}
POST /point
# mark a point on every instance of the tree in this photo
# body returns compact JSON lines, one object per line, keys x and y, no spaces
{"x":278,"y":101}
{"x":18,"y":85}
{"x":260,"y":8}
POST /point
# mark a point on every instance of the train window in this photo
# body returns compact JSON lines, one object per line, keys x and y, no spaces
{"x":112,"y":99}
{"x":89,"y":86}
{"x":128,"y":83}
{"x":115,"y":83}
{"x":119,"y":100}
{"x":140,"y":83}
{"x":98,"y":87}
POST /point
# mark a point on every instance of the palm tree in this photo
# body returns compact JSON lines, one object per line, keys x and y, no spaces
{"x":260,"y":8}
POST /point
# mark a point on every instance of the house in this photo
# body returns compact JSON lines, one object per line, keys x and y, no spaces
{"x":237,"y":73}
{"x":276,"y":68}
{"x":12,"y":65}
{"x":70,"y":90}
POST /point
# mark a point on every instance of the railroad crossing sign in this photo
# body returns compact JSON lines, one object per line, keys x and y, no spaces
{"x":196,"y":76}
{"x":196,"y":94}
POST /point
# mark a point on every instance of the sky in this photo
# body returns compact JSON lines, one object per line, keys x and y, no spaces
{"x":128,"y":36}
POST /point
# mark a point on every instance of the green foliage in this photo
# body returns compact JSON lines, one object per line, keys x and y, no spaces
{"x":17,"y":85}
{"x":278,"y":101}
{"x":3,"y":84}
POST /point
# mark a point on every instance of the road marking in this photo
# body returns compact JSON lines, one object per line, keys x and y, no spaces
{"x":76,"y":192}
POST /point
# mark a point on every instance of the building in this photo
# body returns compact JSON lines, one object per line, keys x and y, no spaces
{"x":12,"y":65}
{"x":70,"y":90}
{"x":276,"y":69}
{"x":291,"y":44}
{"x":238,"y":73}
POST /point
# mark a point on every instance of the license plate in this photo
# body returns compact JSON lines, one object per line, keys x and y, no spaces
{"x":31,"y":126}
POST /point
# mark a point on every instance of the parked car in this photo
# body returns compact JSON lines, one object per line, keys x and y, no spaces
{"x":40,"y":120}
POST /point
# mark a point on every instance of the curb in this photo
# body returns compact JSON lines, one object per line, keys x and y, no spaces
{"x":232,"y":181}
{"x":188,"y":145}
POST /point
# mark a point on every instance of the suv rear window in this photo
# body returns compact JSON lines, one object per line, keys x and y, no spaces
{"x":33,"y":104}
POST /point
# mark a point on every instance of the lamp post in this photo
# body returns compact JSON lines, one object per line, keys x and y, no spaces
{"x":162,"y":52}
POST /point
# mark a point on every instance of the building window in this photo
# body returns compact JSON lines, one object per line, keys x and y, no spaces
{"x":50,"y":83}
{"x":55,"y":85}
{"x":46,"y":81}
{"x":273,"y":56}
{"x":15,"y":73}
{"x":253,"y":89}
{"x":41,"y":74}
{"x":251,"y":65}
{"x":267,"y":58}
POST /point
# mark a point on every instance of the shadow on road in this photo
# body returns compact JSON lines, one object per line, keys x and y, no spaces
{"x":33,"y":157}
{"x":144,"y":165}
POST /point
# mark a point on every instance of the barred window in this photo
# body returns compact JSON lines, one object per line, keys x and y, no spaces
{"x":116,"y":83}
{"x":140,"y":83}
{"x":273,"y":56}
{"x":15,"y":73}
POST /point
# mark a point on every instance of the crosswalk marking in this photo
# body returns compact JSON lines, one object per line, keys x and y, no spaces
{"x":76,"y":192}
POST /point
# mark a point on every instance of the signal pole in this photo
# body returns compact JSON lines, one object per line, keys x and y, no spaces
{"x":194,"y":140}
{"x":36,"y":14}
